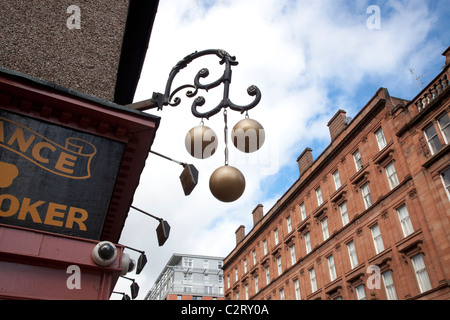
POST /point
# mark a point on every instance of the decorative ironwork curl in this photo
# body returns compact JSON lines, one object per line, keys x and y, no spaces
{"x":161,"y":100}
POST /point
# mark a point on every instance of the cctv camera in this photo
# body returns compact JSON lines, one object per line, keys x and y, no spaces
{"x":104,"y":253}
{"x":128,"y":264}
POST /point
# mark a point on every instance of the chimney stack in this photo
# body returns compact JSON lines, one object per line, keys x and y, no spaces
{"x":305,"y":160}
{"x":446,"y":54}
{"x":240,"y":234}
{"x":337,"y":124}
{"x":257,"y":214}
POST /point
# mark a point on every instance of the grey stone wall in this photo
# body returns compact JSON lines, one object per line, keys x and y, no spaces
{"x":42,"y":39}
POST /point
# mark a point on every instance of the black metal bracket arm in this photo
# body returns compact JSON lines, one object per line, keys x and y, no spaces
{"x":160,"y":100}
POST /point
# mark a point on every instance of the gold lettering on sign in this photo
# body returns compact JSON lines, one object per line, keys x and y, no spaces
{"x":71,"y":161}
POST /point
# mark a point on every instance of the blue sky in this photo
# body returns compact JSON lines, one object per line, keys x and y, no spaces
{"x":309,"y":58}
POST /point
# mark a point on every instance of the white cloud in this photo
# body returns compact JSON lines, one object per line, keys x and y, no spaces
{"x":307,"y":57}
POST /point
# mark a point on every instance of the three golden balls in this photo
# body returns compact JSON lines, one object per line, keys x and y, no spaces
{"x":201,"y":142}
{"x":248,"y":135}
{"x":227,"y":184}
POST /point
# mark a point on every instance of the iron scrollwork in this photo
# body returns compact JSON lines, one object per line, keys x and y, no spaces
{"x":169,"y":96}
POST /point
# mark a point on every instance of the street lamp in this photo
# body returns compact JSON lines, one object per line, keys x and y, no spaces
{"x":227,"y":183}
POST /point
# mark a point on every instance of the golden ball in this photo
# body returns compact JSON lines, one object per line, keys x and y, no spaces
{"x":201,"y":142}
{"x":248,"y":135}
{"x":227,"y":184}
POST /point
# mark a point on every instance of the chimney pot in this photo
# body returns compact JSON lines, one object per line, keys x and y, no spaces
{"x":305,"y":160}
{"x":337,"y":124}
{"x":257,"y":214}
{"x":240,"y":234}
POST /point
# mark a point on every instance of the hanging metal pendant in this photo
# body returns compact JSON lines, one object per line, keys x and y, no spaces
{"x":248,"y":135}
{"x":227,"y":184}
{"x":201,"y":142}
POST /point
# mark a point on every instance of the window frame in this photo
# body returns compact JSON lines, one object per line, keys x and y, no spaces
{"x":435,"y":137}
{"x":383,"y":143}
{"x":357,"y":159}
{"x":392,"y":174}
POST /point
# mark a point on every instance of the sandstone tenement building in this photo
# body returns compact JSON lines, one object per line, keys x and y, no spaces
{"x":367,"y":219}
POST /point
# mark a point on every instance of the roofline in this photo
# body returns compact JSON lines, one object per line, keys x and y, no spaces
{"x":76,"y":94}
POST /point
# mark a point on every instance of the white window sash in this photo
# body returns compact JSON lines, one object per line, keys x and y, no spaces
{"x":421,"y":273}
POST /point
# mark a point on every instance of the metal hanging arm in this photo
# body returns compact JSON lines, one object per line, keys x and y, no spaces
{"x":148,"y":214}
{"x":166,"y":157}
{"x":160,"y":100}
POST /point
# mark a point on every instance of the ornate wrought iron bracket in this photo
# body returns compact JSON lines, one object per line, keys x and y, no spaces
{"x":160,"y":100}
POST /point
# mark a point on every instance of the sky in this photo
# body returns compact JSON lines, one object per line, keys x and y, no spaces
{"x":309,"y":59}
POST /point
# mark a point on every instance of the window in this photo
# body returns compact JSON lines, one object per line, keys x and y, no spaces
{"x":307,"y":243}
{"x":358,"y":160}
{"x":444,"y":126}
{"x":236,"y":277}
{"x":280,"y":270}
{"x":352,"y":254}
{"x":445,"y":177}
{"x":377,"y":240}
{"x":254,"y":257}
{"x":380,"y":138}
{"x":337,"y":180}
{"x":312,"y":277}
{"x":292,"y":251}
{"x":366,"y":195}
{"x":188,"y":263}
{"x":275,"y":234}
{"x":265,"y":247}
{"x":325,"y":233}
{"x":421,"y":273}
{"x":319,"y":196}
{"x":281,"y":294}
{"x":206,"y":278}
{"x":331,"y":268}
{"x":389,"y":285}
{"x":220,"y":279}
{"x":297,"y":290}
{"x":405,"y":222}
{"x":432,"y":139}
{"x":256,"y":284}
{"x":208,"y":290}
{"x":391,"y":175}
{"x":228,"y":282}
{"x":360,"y":294}
{"x":205,"y":264}
{"x":344,"y":213}
{"x":246,"y":292}
{"x":289,"y":224}
{"x":267,"y":275}
{"x":187,"y":277}
{"x":245,"y":266}
{"x":187,"y":288}
{"x":303,"y":211}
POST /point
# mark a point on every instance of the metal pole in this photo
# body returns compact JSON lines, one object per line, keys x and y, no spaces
{"x":148,"y":214}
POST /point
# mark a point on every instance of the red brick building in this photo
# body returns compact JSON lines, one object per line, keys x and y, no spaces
{"x":367,"y":219}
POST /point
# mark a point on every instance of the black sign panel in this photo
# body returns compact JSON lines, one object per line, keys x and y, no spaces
{"x":53,"y":178}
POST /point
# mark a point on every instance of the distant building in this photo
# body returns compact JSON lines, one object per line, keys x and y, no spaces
{"x":367,"y":219}
{"x":189,"y":277}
